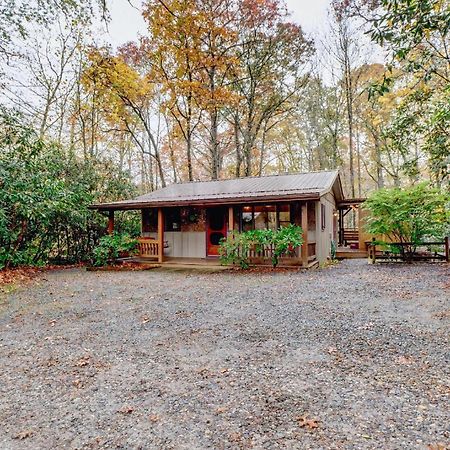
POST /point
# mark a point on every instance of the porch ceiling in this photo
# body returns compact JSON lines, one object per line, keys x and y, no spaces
{"x":349,"y":202}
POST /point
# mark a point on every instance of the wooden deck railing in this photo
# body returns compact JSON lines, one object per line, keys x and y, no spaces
{"x":148,"y":247}
{"x":410,"y":251}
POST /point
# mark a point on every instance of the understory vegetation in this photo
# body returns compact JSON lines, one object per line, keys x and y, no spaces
{"x":113,"y":246}
{"x":45,"y":193}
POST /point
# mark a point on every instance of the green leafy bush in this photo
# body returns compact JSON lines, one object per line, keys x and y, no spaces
{"x":45,"y":193}
{"x":234,"y":249}
{"x":111,"y":246}
{"x":408,"y":216}
{"x":286,"y":240}
{"x":237,"y":247}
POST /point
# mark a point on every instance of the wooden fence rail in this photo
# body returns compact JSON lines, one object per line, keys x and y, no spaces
{"x":410,"y":255}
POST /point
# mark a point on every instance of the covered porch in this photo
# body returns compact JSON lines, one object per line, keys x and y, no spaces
{"x":190,"y":234}
{"x":189,"y":220}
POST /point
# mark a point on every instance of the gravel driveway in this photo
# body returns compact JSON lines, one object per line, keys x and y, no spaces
{"x":349,"y":357}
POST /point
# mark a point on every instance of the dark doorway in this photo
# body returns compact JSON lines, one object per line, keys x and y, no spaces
{"x":216,"y":230}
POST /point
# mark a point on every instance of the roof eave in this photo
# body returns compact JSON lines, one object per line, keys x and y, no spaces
{"x":119,"y":206}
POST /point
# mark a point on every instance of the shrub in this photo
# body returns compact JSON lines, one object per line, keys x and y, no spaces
{"x":286,"y":240}
{"x":111,"y":246}
{"x":236,"y":248}
{"x":408,"y":216}
{"x":45,"y":193}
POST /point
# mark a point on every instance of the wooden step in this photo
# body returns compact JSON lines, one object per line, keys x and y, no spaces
{"x":351,"y":254}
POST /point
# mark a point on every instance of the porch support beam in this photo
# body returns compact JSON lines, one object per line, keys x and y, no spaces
{"x":305,"y":234}
{"x":111,"y":221}
{"x":160,"y":235}
{"x":341,"y":227}
{"x":230,"y":219}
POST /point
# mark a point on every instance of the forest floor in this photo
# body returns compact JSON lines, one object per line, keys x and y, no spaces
{"x":353,"y":356}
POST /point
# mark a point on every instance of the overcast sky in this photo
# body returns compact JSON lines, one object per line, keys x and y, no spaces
{"x":127,"y":23}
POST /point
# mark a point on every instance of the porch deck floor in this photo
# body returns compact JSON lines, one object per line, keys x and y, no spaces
{"x":184,"y":263}
{"x":210,"y":264}
{"x":193,"y":261}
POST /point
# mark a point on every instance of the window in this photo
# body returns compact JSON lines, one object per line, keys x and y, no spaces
{"x":322,"y":216}
{"x":172,"y":219}
{"x":247,"y":218}
{"x":263,"y":217}
{"x":149,"y":220}
{"x":284,"y":215}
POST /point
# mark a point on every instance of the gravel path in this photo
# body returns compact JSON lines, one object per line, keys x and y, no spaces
{"x":349,"y":357}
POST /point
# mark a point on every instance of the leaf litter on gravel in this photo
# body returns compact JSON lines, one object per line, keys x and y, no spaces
{"x":305,"y":421}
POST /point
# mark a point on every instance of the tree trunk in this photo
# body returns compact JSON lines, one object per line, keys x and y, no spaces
{"x":263,"y":149}
{"x":237,"y":144}
{"x":358,"y":155}
{"x":214,"y":144}
{"x":380,"y":177}
{"x":189,"y":150}
{"x":349,"y":98}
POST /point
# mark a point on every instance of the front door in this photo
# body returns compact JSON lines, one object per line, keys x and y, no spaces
{"x":216,"y":230}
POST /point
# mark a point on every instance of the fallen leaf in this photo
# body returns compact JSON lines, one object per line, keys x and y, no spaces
{"x":405,"y":360}
{"x":126,"y":409}
{"x":235,"y":437}
{"x":154,"y":418}
{"x":24,"y":434}
{"x":52,"y":362}
{"x":83,"y":362}
{"x":305,"y":421}
{"x":77,"y":383}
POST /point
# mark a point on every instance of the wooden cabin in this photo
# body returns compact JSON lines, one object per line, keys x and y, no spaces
{"x":188,"y":220}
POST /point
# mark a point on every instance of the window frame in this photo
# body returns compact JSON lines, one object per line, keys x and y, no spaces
{"x":169,"y":215}
{"x":277,"y":209}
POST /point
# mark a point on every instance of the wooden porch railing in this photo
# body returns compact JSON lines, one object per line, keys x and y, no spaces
{"x":148,"y":248}
{"x":263,"y":255}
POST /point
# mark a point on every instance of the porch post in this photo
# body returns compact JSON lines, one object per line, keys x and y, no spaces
{"x":160,"y":235}
{"x":111,"y":221}
{"x":305,"y":234}
{"x":341,"y":227}
{"x":230,"y":219}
